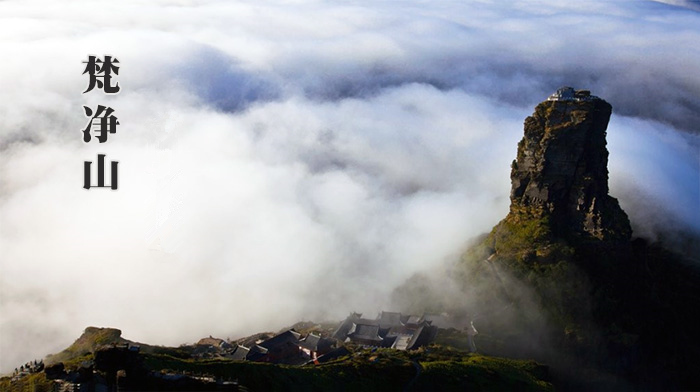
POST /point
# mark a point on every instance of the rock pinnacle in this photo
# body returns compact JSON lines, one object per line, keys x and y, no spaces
{"x":560,"y":172}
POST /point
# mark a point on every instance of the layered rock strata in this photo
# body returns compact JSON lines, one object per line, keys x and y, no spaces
{"x":560,"y":172}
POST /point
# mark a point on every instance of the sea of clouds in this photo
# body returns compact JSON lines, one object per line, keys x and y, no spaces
{"x":292,"y":160}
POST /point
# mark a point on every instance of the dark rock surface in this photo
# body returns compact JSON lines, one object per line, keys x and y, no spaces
{"x":561,"y":171}
{"x":610,"y":305}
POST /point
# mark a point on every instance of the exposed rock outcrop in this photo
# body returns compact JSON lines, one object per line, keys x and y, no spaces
{"x":91,"y":339}
{"x":560,"y":281}
{"x":561,"y":174}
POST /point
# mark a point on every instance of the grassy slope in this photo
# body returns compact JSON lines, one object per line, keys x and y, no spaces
{"x":618,"y":307}
{"x":482,"y":373}
{"x":32,"y":383}
{"x":442,"y":369}
{"x":86,"y":344}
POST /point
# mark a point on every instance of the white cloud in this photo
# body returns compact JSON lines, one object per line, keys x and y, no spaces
{"x":279,"y":158}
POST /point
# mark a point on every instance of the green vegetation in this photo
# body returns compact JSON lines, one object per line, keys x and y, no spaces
{"x":429,"y":368}
{"x":527,"y":237}
{"x":606,"y":307}
{"x":442,"y":368}
{"x":32,"y":383}
{"x":458,"y":340}
{"x":74,"y":363}
{"x":483,"y":373}
{"x":86,"y":344}
{"x":520,"y":237}
{"x":362,"y":372}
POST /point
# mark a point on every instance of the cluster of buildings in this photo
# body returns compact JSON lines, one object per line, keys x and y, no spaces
{"x":121,"y":360}
{"x":389,"y":329}
{"x":287,"y":347}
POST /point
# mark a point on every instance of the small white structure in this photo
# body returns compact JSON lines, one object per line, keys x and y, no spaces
{"x":471,"y":332}
{"x":569,"y":94}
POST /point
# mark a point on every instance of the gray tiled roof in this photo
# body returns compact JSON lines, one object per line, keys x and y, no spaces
{"x":315,"y":342}
{"x":365,"y":332}
{"x":286,"y":336}
{"x":389,"y":319}
{"x":240,"y":354}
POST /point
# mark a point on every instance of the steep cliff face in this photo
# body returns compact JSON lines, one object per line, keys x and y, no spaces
{"x":560,"y":281}
{"x":560,"y":173}
{"x":569,"y":242}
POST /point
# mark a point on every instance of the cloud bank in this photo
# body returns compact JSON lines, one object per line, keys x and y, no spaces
{"x":297,"y":160}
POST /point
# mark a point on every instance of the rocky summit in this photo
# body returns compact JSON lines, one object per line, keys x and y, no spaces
{"x":560,"y":172}
{"x":619,"y":304}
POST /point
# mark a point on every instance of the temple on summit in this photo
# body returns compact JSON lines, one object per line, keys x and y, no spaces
{"x":569,"y":94}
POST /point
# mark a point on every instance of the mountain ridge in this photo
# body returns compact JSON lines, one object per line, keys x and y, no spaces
{"x":567,"y":240}
{"x":560,"y":279}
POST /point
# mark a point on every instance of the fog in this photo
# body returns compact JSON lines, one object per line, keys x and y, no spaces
{"x":299,"y":159}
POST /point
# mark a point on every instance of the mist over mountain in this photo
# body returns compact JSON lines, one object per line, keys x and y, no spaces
{"x":272,"y":154}
{"x":559,"y":279}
